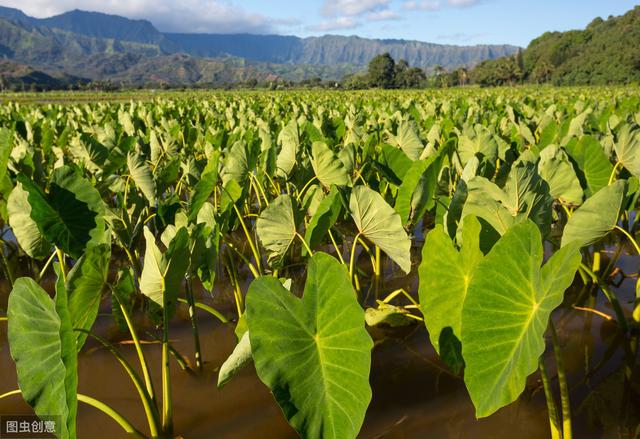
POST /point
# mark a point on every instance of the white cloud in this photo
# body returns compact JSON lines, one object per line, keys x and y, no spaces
{"x":340,"y":23}
{"x":352,"y":8}
{"x":436,"y":5}
{"x":213,"y":16}
{"x":385,"y":15}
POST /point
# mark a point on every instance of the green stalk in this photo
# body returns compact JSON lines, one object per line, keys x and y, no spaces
{"x":352,"y":258}
{"x":151,"y":411}
{"x":136,"y":342}
{"x":335,"y":245}
{"x":63,"y":269}
{"x":551,"y":404}
{"x":167,"y":407}
{"x":113,"y":414}
{"x":46,"y":265}
{"x":564,"y":388}
{"x":6,"y":266}
{"x":208,"y":309}
{"x":254,"y":250}
{"x":306,"y":246}
{"x":194,"y":325}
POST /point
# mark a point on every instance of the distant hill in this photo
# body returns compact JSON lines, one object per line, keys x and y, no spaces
{"x":333,"y":49}
{"x":102,"y":46}
{"x":606,"y":52}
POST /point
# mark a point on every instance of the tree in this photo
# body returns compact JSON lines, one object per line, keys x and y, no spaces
{"x":382,"y":71}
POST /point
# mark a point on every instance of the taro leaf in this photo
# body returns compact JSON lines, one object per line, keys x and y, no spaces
{"x":240,"y":357}
{"x":276,"y":227}
{"x":236,"y":164}
{"x":205,"y":186}
{"x":43,"y":348}
{"x":327,"y":167}
{"x":6,"y":144}
{"x":506,"y":312}
{"x":142,"y":175}
{"x":525,"y":195}
{"x":627,"y":149}
{"x":85,"y":284}
{"x":445,"y":273}
{"x":324,"y":218}
{"x":415,"y":194}
{"x":313,"y":353}
{"x":395,"y":163}
{"x":23,"y":226}
{"x":289,"y":140}
{"x":162,"y":274}
{"x":596,"y":217}
{"x":388,"y":315}
{"x":408,"y":141}
{"x":123,"y":295}
{"x":70,"y":215}
{"x":378,"y":222}
{"x":555,"y":169}
{"x":595,"y":167}
{"x":482,"y":145}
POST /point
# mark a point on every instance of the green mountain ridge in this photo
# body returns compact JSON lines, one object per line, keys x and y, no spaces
{"x":109,"y":47}
{"x":605,"y":52}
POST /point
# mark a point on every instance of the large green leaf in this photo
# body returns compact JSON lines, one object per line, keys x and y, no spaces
{"x":595,"y":167}
{"x":480,"y":144}
{"x":324,"y":218}
{"x":289,"y":141}
{"x":328,"y":168}
{"x":627,"y":149}
{"x":205,"y":186}
{"x":39,"y":339}
{"x":408,"y":141}
{"x":239,"y":358}
{"x":506,"y":312}
{"x":23,"y":226}
{"x":276,"y":227}
{"x":596,"y":217}
{"x":142,"y":175}
{"x":70,"y":214}
{"x":6,"y":144}
{"x":555,"y":169}
{"x":416,"y":193}
{"x":236,"y":164}
{"x":162,"y":274}
{"x":445,"y":273}
{"x":379,"y":223}
{"x":525,"y":195}
{"x":85,"y":284}
{"x":314,"y":354}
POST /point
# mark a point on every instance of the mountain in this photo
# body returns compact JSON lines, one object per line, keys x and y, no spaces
{"x":102,"y":46}
{"x":605,"y":52}
{"x":334,"y":49}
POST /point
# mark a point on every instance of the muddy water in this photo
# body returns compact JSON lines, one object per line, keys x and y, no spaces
{"x":414,"y":396}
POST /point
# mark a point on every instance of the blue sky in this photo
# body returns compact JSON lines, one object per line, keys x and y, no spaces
{"x":439,"y":21}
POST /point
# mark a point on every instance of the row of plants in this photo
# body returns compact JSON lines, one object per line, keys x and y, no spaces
{"x":144,"y":204}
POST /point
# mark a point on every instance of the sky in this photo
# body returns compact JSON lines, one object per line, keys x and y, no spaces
{"x":462,"y":22}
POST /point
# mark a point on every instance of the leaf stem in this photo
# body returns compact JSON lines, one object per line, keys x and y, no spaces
{"x":562,"y":382}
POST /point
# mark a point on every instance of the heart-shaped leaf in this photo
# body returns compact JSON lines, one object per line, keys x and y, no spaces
{"x":162,"y":274}
{"x":379,"y":223}
{"x":506,"y":312}
{"x":596,"y":217}
{"x":445,"y":273}
{"x":276,"y":227}
{"x":142,"y":176}
{"x":327,"y":167}
{"x":314,"y":354}
{"x":43,"y":348}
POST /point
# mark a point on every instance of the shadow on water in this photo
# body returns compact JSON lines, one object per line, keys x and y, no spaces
{"x":414,"y":395}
